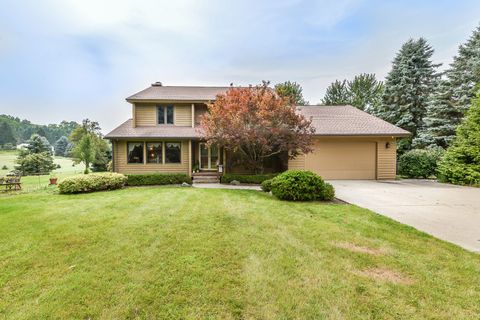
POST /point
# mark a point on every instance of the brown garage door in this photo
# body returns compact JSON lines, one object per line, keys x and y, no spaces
{"x":343,"y":159}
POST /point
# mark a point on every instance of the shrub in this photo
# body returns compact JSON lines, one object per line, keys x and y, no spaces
{"x":461,"y":163}
{"x":419,"y":163}
{"x":157,"y":179}
{"x":245,"y":178}
{"x":267,"y":185}
{"x":301,"y":186}
{"x":4,"y":167}
{"x":34,"y":163}
{"x":92,"y":182}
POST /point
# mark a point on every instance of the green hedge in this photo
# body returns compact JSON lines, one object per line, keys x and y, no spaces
{"x":92,"y":182}
{"x":267,"y":185}
{"x":297,"y":185}
{"x":157,"y":179}
{"x":245,"y":178}
{"x":419,"y":163}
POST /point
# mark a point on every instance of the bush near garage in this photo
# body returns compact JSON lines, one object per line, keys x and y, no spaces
{"x":419,"y":163}
{"x":297,"y":185}
{"x":92,"y":182}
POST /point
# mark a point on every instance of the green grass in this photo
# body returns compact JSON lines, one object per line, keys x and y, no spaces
{"x":166,"y":252}
{"x":32,"y":183}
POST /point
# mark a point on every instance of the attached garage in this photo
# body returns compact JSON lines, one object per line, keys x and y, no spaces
{"x":343,"y":159}
{"x":349,"y":144}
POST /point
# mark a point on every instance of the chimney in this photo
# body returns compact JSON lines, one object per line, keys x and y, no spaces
{"x":157,"y":84}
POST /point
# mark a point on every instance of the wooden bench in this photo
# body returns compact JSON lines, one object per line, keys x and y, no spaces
{"x":10,"y":183}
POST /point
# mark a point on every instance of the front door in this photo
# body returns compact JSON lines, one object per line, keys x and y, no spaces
{"x":209,"y":157}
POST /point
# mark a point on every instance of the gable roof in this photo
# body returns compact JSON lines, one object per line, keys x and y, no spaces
{"x":347,"y":120}
{"x":177,"y":93}
{"x":327,"y":121}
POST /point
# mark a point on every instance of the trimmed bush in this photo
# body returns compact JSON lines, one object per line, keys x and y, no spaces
{"x":299,"y":185}
{"x":419,"y":163}
{"x":151,"y":179}
{"x":246,"y":178}
{"x":267,"y":185}
{"x":92,"y":182}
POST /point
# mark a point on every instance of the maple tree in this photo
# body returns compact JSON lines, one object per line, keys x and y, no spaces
{"x":256,"y":123}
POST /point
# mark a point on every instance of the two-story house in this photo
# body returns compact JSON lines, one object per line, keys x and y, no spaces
{"x":163,"y":136}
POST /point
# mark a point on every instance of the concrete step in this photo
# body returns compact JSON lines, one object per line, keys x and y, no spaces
{"x":205,"y":174}
{"x":198,"y":180}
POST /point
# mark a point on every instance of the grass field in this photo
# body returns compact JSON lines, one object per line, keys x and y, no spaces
{"x":169,"y":253}
{"x":31,"y":183}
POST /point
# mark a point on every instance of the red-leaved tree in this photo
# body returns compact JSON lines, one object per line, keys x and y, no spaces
{"x":256,"y":123}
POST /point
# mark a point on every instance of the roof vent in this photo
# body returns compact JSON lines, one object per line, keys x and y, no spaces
{"x":157,"y":84}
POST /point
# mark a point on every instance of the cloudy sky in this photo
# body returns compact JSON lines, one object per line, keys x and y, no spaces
{"x":75,"y":59}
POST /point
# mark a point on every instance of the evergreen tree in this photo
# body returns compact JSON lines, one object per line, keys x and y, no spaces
{"x":452,"y":97}
{"x":292,"y":91}
{"x":408,"y":87}
{"x":61,"y":146}
{"x":464,"y":72}
{"x":6,"y":134}
{"x":36,"y":158}
{"x":38,"y":144}
{"x":365,"y":92}
{"x":337,"y":94}
{"x":441,"y":119}
{"x":461,"y":163}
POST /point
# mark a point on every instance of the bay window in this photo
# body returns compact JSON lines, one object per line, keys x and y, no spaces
{"x":154,"y":152}
{"x":172,"y":152}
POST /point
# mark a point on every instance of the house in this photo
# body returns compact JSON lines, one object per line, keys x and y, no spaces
{"x":163,"y":136}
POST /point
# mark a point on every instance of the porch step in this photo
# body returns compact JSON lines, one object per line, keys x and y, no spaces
{"x":206,"y":177}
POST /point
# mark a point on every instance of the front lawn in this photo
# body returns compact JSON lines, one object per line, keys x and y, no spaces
{"x":166,"y":252}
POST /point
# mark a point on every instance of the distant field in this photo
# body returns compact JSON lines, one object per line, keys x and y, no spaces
{"x":67,"y":168}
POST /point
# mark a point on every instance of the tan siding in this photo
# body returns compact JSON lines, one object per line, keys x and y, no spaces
{"x":386,"y":159}
{"x":145,"y":115}
{"x":183,"y":115}
{"x":298,"y":163}
{"x":122,"y":166}
{"x":350,"y":158}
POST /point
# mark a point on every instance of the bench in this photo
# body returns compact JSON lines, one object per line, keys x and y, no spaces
{"x":10,"y":183}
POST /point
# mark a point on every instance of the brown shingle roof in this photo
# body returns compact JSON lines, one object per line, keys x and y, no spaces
{"x":126,"y":130}
{"x":327,"y":120}
{"x":348,"y":121}
{"x":178,"y":93}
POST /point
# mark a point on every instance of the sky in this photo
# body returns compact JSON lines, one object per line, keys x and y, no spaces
{"x":76,"y":59}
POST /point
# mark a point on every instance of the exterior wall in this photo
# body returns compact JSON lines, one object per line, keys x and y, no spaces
{"x":121,"y":165}
{"x":145,"y":115}
{"x":369,"y":151}
{"x":386,"y":159}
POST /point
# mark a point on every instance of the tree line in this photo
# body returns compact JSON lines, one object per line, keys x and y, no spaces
{"x":14,"y":130}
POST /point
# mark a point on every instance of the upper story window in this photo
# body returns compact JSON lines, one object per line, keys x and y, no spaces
{"x":165,"y":114}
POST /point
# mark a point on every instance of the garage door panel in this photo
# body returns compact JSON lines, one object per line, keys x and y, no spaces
{"x":343,"y":160}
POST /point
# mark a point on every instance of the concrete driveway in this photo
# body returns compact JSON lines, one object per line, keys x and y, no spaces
{"x":448,"y":212}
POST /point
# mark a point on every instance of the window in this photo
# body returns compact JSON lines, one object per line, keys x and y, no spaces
{"x":154,"y":152}
{"x":172,"y":152}
{"x":165,"y":114}
{"x":135,"y":152}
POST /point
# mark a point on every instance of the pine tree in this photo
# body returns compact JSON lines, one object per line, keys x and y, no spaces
{"x":408,"y":87}
{"x":461,"y":163}
{"x":464,"y":72}
{"x":441,"y":119}
{"x":38,"y":144}
{"x":61,"y":146}
{"x":337,"y":94}
{"x":452,"y":96}
{"x":365,"y":92}
{"x":292,"y":91}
